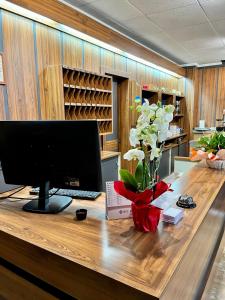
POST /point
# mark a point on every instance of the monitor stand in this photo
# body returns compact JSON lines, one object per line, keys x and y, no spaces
{"x":46,"y":204}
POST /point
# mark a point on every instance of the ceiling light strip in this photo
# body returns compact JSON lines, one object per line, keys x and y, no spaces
{"x":114,"y":29}
{"x":44,"y":20}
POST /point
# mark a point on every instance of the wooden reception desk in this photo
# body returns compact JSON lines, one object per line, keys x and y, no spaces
{"x":100,"y":259}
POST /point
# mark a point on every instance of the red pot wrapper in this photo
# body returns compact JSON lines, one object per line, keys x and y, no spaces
{"x":145,"y":216}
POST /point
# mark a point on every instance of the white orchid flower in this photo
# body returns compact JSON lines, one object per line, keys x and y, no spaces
{"x":169,"y":109}
{"x":154,"y":107}
{"x":162,"y":136}
{"x":155,"y":152}
{"x":168,"y":117}
{"x":159,"y":113}
{"x":134,"y":154}
{"x":133,"y":137}
{"x":150,"y":139}
{"x":146,"y":102}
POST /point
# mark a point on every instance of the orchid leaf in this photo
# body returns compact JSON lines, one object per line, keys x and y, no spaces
{"x":139,"y":173}
{"x":128,"y":179}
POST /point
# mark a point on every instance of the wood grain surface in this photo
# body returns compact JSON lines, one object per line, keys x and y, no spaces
{"x":189,"y":279}
{"x":72,"y":51}
{"x":50,"y":81}
{"x":215,"y":287}
{"x":19,"y":60}
{"x":205,"y":95}
{"x":35,"y":47}
{"x":110,"y":251}
{"x":91,"y":58}
{"x":2,"y":103}
{"x":108,"y":154}
{"x":61,"y":13}
{"x":13,"y":286}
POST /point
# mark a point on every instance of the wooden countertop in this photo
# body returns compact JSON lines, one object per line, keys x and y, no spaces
{"x":108,"y":154}
{"x":100,"y":259}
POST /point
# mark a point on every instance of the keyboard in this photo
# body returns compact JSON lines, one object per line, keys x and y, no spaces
{"x":76,"y":194}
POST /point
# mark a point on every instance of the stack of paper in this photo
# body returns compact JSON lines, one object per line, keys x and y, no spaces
{"x":173,"y":215}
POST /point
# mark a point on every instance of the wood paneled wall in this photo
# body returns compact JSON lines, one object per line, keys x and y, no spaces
{"x":205,"y":92}
{"x":19,"y":62}
{"x":61,"y":13}
{"x":30,"y":48}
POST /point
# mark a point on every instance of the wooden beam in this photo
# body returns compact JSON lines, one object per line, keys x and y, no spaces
{"x":64,"y":14}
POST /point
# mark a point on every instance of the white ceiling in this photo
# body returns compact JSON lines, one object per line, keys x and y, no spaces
{"x":185,"y":31}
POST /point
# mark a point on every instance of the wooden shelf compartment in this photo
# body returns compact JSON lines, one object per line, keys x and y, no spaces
{"x":85,"y":88}
{"x":80,"y":112}
{"x":88,"y":96}
{"x":167,"y":98}
{"x":177,"y":116}
{"x":176,"y":137}
{"x":151,"y":96}
{"x":181,"y":97}
{"x":77,"y":95}
{"x":78,"y":77}
{"x":105,"y":126}
{"x":87,"y":104}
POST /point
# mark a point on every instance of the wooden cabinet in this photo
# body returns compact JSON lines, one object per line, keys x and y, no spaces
{"x":88,"y":96}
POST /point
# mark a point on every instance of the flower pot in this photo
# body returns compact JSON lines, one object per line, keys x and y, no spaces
{"x":145,"y":216}
{"x":216,"y":164}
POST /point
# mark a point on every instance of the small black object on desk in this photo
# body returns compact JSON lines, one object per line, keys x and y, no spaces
{"x":81,"y":214}
{"x":186,"y":201}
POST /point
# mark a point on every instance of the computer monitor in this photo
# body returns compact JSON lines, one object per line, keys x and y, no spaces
{"x":60,"y":154}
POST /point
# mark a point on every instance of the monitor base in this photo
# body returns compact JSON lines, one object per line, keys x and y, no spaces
{"x":55,"y":205}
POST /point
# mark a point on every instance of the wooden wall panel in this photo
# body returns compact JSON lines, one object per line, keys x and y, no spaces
{"x":132,"y":68}
{"x":120,"y":63}
{"x":92,"y":58}
{"x":181,"y":85}
{"x":141,"y":78}
{"x":49,"y":54}
{"x":155,"y":77}
{"x":148,"y":74}
{"x":107,"y":60}
{"x":19,"y":61}
{"x":72,"y":51}
{"x":75,"y":19}
{"x":220,"y":101}
{"x":205,"y":89}
{"x":2,"y":104}
{"x":34,"y":54}
{"x":208,"y":95}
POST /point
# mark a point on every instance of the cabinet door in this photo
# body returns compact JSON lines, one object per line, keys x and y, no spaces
{"x":109,"y":170}
{"x":164,"y":168}
{"x":183,"y":149}
{"x":174,"y":152}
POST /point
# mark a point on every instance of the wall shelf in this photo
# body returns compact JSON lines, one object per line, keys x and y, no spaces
{"x":88,"y":96}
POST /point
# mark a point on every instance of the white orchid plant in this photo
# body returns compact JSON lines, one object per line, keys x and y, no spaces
{"x":147,"y":141}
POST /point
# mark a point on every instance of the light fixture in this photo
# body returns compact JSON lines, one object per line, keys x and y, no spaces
{"x":44,"y":20}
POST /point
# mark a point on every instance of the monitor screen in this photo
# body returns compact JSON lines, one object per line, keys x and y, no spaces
{"x":64,"y":154}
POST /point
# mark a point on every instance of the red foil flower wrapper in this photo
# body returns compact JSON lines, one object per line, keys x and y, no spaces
{"x":145,"y":216}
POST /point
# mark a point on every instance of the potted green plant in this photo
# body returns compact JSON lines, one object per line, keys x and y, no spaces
{"x":212,"y":149}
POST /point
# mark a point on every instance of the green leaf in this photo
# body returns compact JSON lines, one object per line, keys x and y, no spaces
{"x":128,"y":179}
{"x":139,"y":172}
